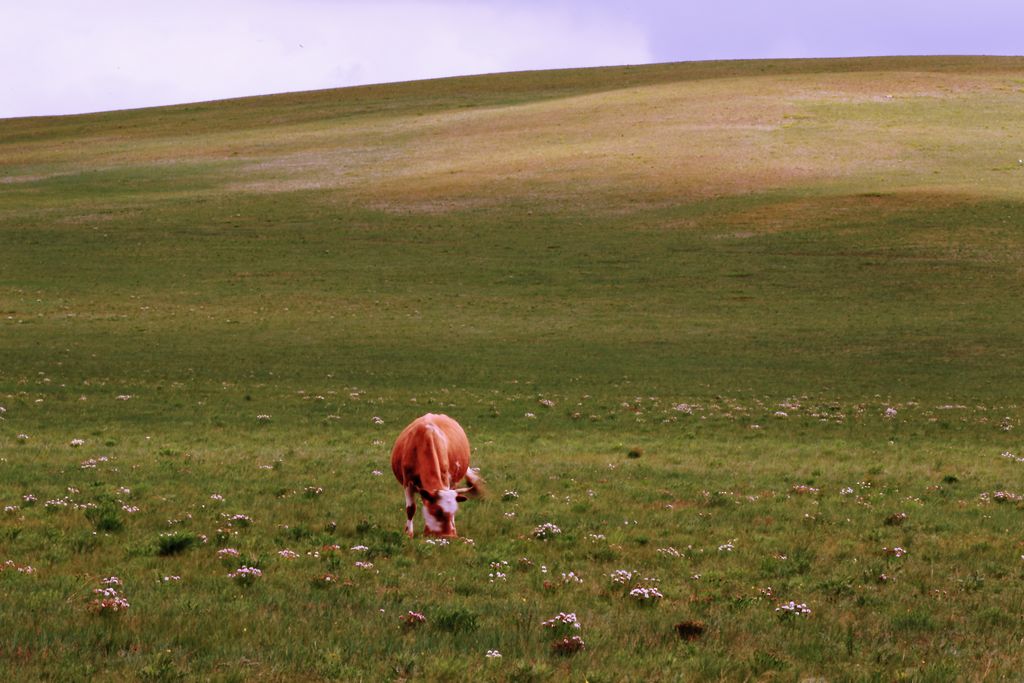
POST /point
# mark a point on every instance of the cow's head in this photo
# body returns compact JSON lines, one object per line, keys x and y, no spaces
{"x":439,"y":508}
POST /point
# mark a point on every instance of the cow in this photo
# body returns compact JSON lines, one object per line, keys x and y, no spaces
{"x":430,"y":455}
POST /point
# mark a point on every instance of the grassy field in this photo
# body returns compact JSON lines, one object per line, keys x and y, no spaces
{"x":745,"y":332}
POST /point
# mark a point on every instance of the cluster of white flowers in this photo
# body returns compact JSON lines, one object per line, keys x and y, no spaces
{"x":1001,"y":497}
{"x":1010,"y":456}
{"x":498,"y":571}
{"x":546,"y":531}
{"x":727,"y":547}
{"x":799,"y":609}
{"x":108,"y":600}
{"x":20,"y":568}
{"x":263,"y":418}
{"x":562,"y":619}
{"x":245,"y":574}
{"x":91,"y":463}
{"x":571,"y":577}
{"x":493,"y":654}
{"x":621,"y":576}
{"x":646,"y":594}
{"x":669,"y":552}
{"x":288,"y":554}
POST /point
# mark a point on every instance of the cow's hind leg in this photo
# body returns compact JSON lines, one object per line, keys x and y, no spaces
{"x":410,"y":510}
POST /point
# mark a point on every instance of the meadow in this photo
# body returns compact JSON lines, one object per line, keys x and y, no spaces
{"x":736,"y":344}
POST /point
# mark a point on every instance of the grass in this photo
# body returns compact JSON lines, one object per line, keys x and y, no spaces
{"x":616,"y":280}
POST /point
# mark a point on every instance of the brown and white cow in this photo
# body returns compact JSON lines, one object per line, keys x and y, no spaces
{"x":430,"y":455}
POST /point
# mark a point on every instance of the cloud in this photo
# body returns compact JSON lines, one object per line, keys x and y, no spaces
{"x":76,"y":57}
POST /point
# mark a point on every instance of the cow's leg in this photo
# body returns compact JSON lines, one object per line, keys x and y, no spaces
{"x":410,"y":510}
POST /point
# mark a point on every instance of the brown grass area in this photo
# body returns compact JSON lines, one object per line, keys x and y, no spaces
{"x":653,"y":144}
{"x":645,"y":138}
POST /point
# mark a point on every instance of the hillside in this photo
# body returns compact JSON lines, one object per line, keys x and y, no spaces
{"x":782,"y":226}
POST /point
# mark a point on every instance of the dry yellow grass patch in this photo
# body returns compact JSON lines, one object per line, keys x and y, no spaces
{"x":660,"y":143}
{"x":669,"y":140}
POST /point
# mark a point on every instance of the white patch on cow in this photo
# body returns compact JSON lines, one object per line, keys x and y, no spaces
{"x":433,"y":524}
{"x":440,"y":516}
{"x":446,"y":501}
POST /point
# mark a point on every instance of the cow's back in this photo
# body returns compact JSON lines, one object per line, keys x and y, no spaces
{"x":412,"y":454}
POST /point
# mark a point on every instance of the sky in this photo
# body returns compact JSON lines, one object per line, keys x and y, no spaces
{"x":75,"y":56}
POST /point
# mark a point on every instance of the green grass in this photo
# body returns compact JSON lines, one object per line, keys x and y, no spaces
{"x":575,"y":265}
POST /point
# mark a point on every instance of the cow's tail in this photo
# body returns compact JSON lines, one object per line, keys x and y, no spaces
{"x":436,"y":440}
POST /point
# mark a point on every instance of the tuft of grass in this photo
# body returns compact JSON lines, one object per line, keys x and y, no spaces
{"x":175,"y":542}
{"x":456,"y":620}
{"x":106,"y":515}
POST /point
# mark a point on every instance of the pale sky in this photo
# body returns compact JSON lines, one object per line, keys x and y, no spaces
{"x":73,"y":56}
